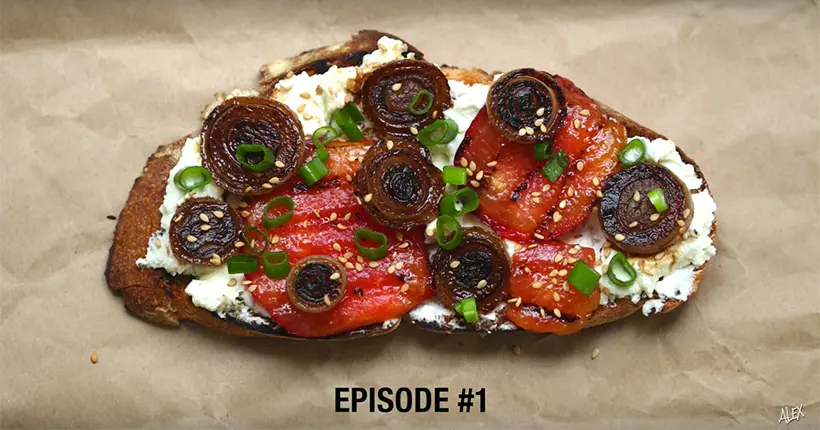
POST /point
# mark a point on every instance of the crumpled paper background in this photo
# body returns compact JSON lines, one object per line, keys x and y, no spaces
{"x":89,"y":89}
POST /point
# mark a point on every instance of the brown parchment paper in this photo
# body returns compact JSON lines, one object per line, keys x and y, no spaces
{"x":90,"y":88}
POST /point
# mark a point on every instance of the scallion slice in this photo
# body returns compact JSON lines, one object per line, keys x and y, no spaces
{"x":352,"y":111}
{"x":321,"y":137}
{"x":658,"y":200}
{"x":276,"y":264}
{"x":543,"y":150}
{"x":192,"y":177}
{"x":633,"y":153}
{"x":467,"y":309}
{"x":244,"y":150}
{"x":448,"y":232}
{"x":242,"y":263}
{"x":281,"y":201}
{"x":250,"y":241}
{"x":347,"y":118}
{"x":440,"y":132}
{"x":467,"y":197}
{"x":313,"y":170}
{"x":454,"y":175}
{"x":422,"y":96}
{"x":583,"y":278}
{"x":371,"y":253}
{"x":620,"y":272}
{"x":553,"y":169}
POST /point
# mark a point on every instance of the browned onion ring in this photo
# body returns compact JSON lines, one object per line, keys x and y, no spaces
{"x":311,"y":287}
{"x":218,"y":237}
{"x":515,"y":99}
{"x":251,"y":120}
{"x":388,"y":108}
{"x":481,"y":256}
{"x":398,"y":184}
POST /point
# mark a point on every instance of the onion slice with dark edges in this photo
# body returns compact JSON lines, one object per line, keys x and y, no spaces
{"x":316,"y":284}
{"x":398,"y":184}
{"x":630,"y":220}
{"x":482,"y":271}
{"x":526,"y":105}
{"x":388,"y":92}
{"x":251,"y":121}
{"x":204,"y":230}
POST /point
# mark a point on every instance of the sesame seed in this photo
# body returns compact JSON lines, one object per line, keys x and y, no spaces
{"x":536,"y":193}
{"x":327,"y":300}
{"x":557,"y":312}
{"x":267,"y":186}
{"x":543,"y":314}
{"x":540,"y":111}
{"x":543,"y":128}
{"x":686,"y":213}
{"x":219,"y":214}
{"x":566,"y":260}
{"x":404,"y":287}
{"x":429,"y":232}
{"x":565,"y":287}
{"x":518,"y":302}
{"x":391,"y":269}
{"x":633,"y":224}
{"x":348,"y":98}
{"x":373,"y":264}
{"x":558,"y":257}
{"x":539,"y":121}
{"x":537,"y":285}
{"x":411,"y":55}
{"x":556,"y":216}
{"x":636,"y":196}
{"x":473,"y":166}
{"x":348,"y":255}
{"x":554,"y":273}
{"x":595,"y":352}
{"x":396,"y":86}
{"x":389,"y":144}
{"x":399,"y":236}
{"x":463,"y":162}
{"x":530,"y":131}
{"x":290,"y":74}
{"x":359,"y":267}
{"x":562,"y":272}
{"x":305,"y":223}
{"x":275,"y":239}
{"x":248,"y":189}
{"x":545,"y":188}
{"x":348,"y":177}
{"x":243,"y":204}
{"x":492,"y":163}
{"x":527,"y":270}
{"x":232,"y":282}
{"x":307,"y":116}
{"x":599,"y":193}
{"x":343,"y":260}
{"x":347,"y":216}
{"x":350,"y":265}
{"x":555,"y":296}
{"x":305,"y":95}
{"x":435,"y":114}
{"x":191,"y":238}
{"x":203,"y":217}
{"x":570,"y":191}
{"x":335,"y":276}
{"x":279,"y":164}
{"x":469,"y":172}
{"x":404,"y":245}
{"x":359,"y":259}
{"x":562,"y":204}
{"x":454,"y":264}
{"x":619,"y":237}
{"x":580,"y":166}
{"x":482,"y":283}
{"x":682,"y":230}
{"x":205,"y":227}
{"x":522,"y":131}
{"x":475,"y":183}
{"x":319,"y":90}
{"x":246,"y":283}
{"x":585,"y":112}
{"x":512,"y":300}
{"x":337,"y":247}
{"x":301,"y":108}
{"x":351,"y":158}
{"x":681,"y":222}
{"x":654,"y":217}
{"x":253,"y":288}
{"x":368,"y":198}
{"x":414,"y":131}
{"x":532,"y":246}
{"x":340,"y":226}
{"x":539,"y":236}
{"x":577,"y":123}
{"x":94,"y":357}
{"x":660,"y":255}
{"x":178,"y":219}
{"x":400,"y":265}
{"x":596,"y":181}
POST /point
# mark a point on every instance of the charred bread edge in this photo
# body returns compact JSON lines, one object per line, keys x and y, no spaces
{"x":153,"y":294}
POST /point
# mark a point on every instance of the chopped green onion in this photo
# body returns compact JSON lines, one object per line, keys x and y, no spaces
{"x":242,"y":263}
{"x":583,"y":278}
{"x":620,"y":272}
{"x":658,"y":200}
{"x":251,"y":242}
{"x":440,"y":132}
{"x":281,"y":201}
{"x":633,"y":153}
{"x":467,"y":309}
{"x":425,"y":107}
{"x":553,"y":169}
{"x":347,"y":118}
{"x":448,"y":232}
{"x":321,"y":137}
{"x":313,"y":170}
{"x":370,"y":253}
{"x":467,"y":197}
{"x":192,"y":177}
{"x":454,"y":175}
{"x":543,"y":150}
{"x":244,"y":150}
{"x":276,"y":264}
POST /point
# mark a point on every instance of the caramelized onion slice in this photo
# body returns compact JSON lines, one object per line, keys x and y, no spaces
{"x":526,"y":105}
{"x":398,"y":185}
{"x":388,"y":92}
{"x":482,"y":271}
{"x":316,"y":284}
{"x":204,"y":230}
{"x":251,"y":121}
{"x":629,"y":218}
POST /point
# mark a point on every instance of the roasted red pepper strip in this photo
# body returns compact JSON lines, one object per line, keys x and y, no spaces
{"x":373,"y":295}
{"x":529,"y":318}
